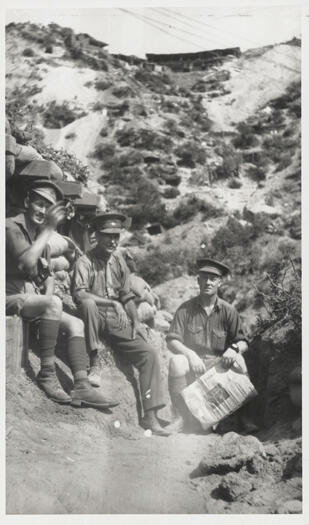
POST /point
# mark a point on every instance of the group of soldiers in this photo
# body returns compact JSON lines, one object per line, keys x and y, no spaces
{"x":203,"y":329}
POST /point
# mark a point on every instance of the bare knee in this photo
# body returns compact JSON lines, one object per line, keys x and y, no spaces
{"x":74,"y":327}
{"x":178,"y":365}
{"x":53,"y":307}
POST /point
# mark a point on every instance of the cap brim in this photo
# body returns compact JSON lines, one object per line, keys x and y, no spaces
{"x":110,"y":230}
{"x":45,"y":195}
{"x":211,"y":269}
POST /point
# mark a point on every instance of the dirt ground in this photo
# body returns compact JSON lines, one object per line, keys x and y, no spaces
{"x":63,"y":460}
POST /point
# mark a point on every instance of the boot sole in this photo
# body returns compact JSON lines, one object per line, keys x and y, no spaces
{"x":80,"y":403}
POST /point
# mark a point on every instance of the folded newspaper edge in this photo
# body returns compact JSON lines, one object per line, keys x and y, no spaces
{"x":218,"y":393}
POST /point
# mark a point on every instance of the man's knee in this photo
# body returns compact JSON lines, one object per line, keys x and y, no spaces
{"x":178,"y":365}
{"x":53,"y":307}
{"x":75,"y":327}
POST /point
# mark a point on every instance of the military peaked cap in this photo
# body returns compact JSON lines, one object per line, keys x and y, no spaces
{"x":212,"y":266}
{"x":108,"y":222}
{"x":47,"y":189}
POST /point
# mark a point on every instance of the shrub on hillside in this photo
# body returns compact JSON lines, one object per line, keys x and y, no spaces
{"x":160,"y":265}
{"x":122,"y":91}
{"x":281,"y":294}
{"x":28,"y":52}
{"x":255,"y":173}
{"x":230,"y":162}
{"x":101,"y":85}
{"x":246,"y":138}
{"x":66,"y":161}
{"x":234,"y":183}
{"x":156,"y":82}
{"x":189,"y":154}
{"x":98,"y":106}
{"x":232,"y":234}
{"x":104,"y":150}
{"x":143,"y":138}
{"x":70,"y":136}
{"x":284,"y":162}
{"x":188,"y":208}
{"x":171,"y":125}
{"x":59,"y":115}
{"x":170,"y":193}
{"x":148,"y":207}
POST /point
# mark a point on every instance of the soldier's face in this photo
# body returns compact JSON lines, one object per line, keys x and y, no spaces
{"x":36,"y":210}
{"x":107,"y":242}
{"x":208,"y":283}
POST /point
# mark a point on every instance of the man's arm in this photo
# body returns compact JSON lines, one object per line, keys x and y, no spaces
{"x":195,"y":362}
{"x":236,"y":337}
{"x":137,"y":327}
{"x":28,"y":259}
{"x":175,"y":341}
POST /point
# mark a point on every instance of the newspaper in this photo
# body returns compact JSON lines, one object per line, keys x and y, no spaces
{"x":219,"y":392}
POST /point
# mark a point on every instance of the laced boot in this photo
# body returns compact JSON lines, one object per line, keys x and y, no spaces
{"x":48,"y":381}
{"x":83,"y":394}
{"x":94,"y":376}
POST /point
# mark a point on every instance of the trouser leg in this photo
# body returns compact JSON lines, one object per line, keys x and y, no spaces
{"x":93,"y":321}
{"x":145,"y":358}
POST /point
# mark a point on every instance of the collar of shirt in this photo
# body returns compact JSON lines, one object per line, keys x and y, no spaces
{"x":217,"y":306}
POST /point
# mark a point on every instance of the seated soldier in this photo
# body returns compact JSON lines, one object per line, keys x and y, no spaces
{"x":101,"y":288}
{"x":29,"y":293}
{"x":203,"y":329}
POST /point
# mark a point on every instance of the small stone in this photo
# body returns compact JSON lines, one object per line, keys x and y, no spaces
{"x":117,"y":424}
{"x":148,"y":433}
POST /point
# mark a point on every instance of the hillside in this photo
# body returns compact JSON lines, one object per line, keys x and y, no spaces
{"x":212,"y":160}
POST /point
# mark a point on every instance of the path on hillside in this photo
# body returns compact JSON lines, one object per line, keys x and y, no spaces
{"x":70,"y":473}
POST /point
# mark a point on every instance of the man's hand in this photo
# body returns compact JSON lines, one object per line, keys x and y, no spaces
{"x":54,"y":215}
{"x":121,"y":314}
{"x":137,"y":328}
{"x":228,"y":358}
{"x":196,"y":363}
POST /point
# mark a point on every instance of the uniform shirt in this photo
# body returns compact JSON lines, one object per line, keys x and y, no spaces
{"x":108,"y":279}
{"x":18,"y":240}
{"x":207,"y":335}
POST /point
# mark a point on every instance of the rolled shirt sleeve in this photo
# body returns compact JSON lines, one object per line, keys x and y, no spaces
{"x":16,"y":243}
{"x":81,"y":276}
{"x":178,"y":325}
{"x":235,"y":328}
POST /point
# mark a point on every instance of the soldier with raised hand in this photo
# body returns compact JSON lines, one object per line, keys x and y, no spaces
{"x":30,"y":294}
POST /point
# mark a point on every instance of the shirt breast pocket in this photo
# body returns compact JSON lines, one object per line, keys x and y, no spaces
{"x":218,"y":340}
{"x":196,"y":336}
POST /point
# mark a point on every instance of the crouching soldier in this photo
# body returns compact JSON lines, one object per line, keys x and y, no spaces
{"x":101,"y":288}
{"x":29,"y":293}
{"x":203,"y":329}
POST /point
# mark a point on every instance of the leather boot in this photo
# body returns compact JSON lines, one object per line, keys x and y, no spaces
{"x":83,"y":394}
{"x":48,"y":381}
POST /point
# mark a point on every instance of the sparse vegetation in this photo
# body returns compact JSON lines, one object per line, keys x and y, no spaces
{"x":255,"y":173}
{"x":101,"y":85}
{"x":28,"y":52}
{"x":59,"y":115}
{"x":71,"y":136}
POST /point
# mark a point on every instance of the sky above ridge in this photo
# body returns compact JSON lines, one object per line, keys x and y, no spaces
{"x":173,"y":29}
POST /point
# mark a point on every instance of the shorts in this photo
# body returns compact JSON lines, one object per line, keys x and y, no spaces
{"x":14,"y":302}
